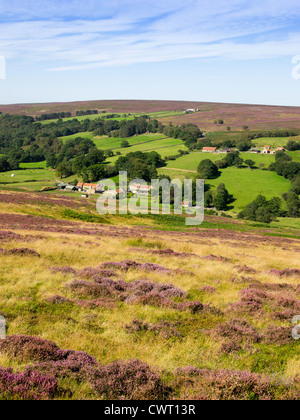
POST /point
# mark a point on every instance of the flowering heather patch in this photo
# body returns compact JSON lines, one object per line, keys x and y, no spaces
{"x":28,"y":385}
{"x":9,"y":236}
{"x":94,"y":273}
{"x":72,"y":364}
{"x":288,"y":302}
{"x":105,"y":289}
{"x":64,"y":270}
{"x":50,"y":359}
{"x":114,"y":265}
{"x":245,"y":269}
{"x":131,"y":380}
{"x":232,"y":385}
{"x":244,"y":280}
{"x":26,"y":198}
{"x":237,"y":330}
{"x":251,"y":302}
{"x":192,"y":307}
{"x":231,"y":347}
{"x":209,"y":290}
{"x":278,"y":335}
{"x":128,"y":264}
{"x":26,"y":348}
{"x":288,"y":272}
{"x":286,"y":315}
{"x":152,"y":299}
{"x":278,"y":287}
{"x":154,"y":267}
{"x":171,"y":253}
{"x":141,"y":287}
{"x":20,"y":252}
{"x":216,"y":258}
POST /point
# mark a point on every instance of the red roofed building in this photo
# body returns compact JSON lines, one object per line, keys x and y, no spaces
{"x":209,"y":149}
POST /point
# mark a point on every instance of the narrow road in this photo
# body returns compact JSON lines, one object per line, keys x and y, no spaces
{"x":181,"y":170}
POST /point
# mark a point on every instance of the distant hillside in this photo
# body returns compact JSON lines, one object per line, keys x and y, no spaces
{"x":233,"y":115}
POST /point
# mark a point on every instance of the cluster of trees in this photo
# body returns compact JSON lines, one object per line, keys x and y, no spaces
{"x":266,"y":211}
{"x":53,"y":116}
{"x":174,"y":157}
{"x":285,"y":166}
{"x":262,"y":210}
{"x":190,"y":134}
{"x":274,"y":133}
{"x":293,"y":145}
{"x":231,"y":159}
{"x":129,"y":128}
{"x":295,"y":188}
{"x":7,"y":164}
{"x":140,"y":165}
{"x":87,"y":112}
{"x":220,"y":199}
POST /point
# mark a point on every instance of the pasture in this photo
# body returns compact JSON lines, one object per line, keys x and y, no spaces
{"x":192,"y":160}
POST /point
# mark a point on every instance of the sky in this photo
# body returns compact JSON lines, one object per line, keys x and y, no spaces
{"x":235,"y":51}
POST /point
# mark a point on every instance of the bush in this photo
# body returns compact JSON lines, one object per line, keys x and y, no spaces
{"x":26,"y":348}
{"x":131,"y":380}
{"x":28,"y":385}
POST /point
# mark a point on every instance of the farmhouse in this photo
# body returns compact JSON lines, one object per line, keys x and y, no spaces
{"x":140,"y":189}
{"x":225,"y":150}
{"x":255,"y":151}
{"x":186,"y":204}
{"x":71,"y":188}
{"x":88,"y":188}
{"x":187,"y":111}
{"x":267,"y":150}
{"x":209,"y":149}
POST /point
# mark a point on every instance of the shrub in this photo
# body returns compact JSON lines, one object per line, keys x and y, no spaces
{"x":237,"y":330}
{"x":232,"y":385}
{"x":131,"y":380}
{"x":278,"y":335}
{"x":25,"y":348}
{"x":28,"y":385}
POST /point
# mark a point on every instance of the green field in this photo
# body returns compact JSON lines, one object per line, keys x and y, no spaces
{"x":85,"y":135}
{"x":165,"y":146}
{"x":146,"y":141}
{"x":32,"y":177}
{"x":90,"y":117}
{"x":162,"y":114}
{"x":295,"y":155}
{"x":244,"y":184}
{"x":273,"y":142}
{"x":192,"y":160}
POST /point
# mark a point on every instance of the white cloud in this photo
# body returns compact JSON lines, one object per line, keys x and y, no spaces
{"x":71,"y":35}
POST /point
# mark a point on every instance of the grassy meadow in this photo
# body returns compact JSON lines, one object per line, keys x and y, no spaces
{"x":211,"y":269}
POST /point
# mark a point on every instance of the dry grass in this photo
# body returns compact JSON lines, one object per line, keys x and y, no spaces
{"x":27,"y":283}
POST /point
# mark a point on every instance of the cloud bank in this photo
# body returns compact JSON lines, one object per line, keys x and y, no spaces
{"x":76,"y":35}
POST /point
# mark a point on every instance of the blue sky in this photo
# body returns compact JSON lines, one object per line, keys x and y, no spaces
{"x":224,"y":51}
